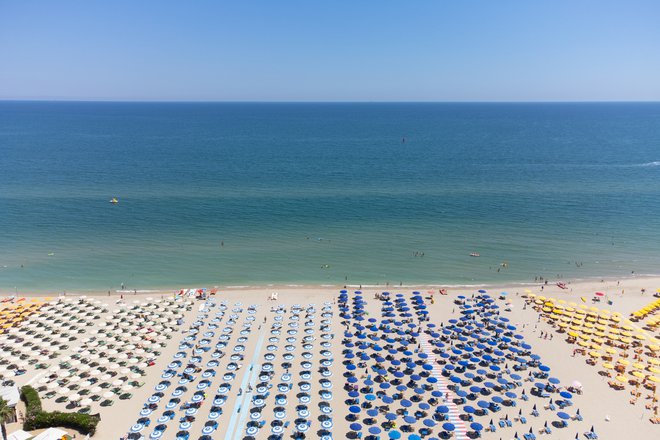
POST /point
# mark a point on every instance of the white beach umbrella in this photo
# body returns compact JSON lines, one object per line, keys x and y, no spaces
{"x":94,"y":373}
{"x":108,"y":394}
{"x":96,"y":390}
{"x":106,"y":377}
{"x":74,"y":397}
{"x":52,"y":385}
{"x":63,"y":391}
{"x":117,"y":382}
{"x":86,"y":402}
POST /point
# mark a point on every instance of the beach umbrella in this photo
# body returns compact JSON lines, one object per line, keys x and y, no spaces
{"x":374,"y":430}
{"x":563,"y":415}
{"x":476,"y":426}
{"x":414,"y":437}
{"x":429,"y":423}
{"x":354,"y":409}
{"x":448,"y":427}
{"x":394,"y":435}
{"x":355,"y":426}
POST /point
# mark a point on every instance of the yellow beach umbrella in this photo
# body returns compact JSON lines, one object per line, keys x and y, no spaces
{"x":638,"y":365}
{"x":594,"y":354}
{"x":608,"y":366}
{"x":623,"y":362}
{"x":638,"y":374}
{"x":653,"y":379}
{"x":622,"y":378}
{"x":610,"y":350}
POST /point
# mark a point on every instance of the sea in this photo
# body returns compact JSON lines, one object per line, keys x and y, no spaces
{"x":257,"y":194}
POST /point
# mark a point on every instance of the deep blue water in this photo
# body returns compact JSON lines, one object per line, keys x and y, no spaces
{"x":290,"y":188}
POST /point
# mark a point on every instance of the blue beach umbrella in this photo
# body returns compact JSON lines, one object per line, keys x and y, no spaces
{"x":354,"y":409}
{"x":429,"y":423}
{"x":566,"y":395}
{"x":563,"y":415}
{"x":448,"y":427}
{"x":374,"y":430}
{"x":409,"y":419}
{"x":394,"y":435}
{"x":355,"y":426}
{"x":442,"y":409}
{"x":390,"y":416}
{"x":476,"y":426}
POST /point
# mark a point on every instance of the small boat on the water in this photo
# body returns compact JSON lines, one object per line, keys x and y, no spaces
{"x":114,"y":201}
{"x":475,"y":254}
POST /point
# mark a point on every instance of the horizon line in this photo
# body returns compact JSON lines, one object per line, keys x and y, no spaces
{"x":183,"y":101}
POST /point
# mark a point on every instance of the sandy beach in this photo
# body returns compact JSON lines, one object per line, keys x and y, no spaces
{"x":246,"y":317}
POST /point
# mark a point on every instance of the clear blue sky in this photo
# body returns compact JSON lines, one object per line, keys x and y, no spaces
{"x":313,"y":50}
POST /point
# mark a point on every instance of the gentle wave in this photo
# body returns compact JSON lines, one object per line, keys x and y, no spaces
{"x":648,"y":164}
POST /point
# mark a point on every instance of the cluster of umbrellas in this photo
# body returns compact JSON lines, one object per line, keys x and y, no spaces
{"x":13,"y":314}
{"x":431,"y":378}
{"x":617,"y":346}
{"x":48,"y":331}
{"x":190,"y":380}
{"x":647,"y":312}
{"x":120,"y":347}
{"x":186,"y":373}
{"x":303,"y":325}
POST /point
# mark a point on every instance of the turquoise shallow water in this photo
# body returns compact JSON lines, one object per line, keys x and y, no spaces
{"x":325,"y":193}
